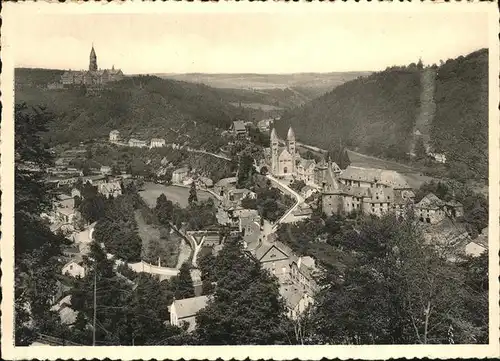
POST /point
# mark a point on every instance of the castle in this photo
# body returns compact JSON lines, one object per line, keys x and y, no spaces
{"x":92,"y":77}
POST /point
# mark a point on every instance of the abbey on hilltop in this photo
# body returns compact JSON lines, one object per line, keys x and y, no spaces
{"x":92,"y":77}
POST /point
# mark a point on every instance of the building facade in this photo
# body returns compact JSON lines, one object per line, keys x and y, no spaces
{"x":185,"y":310}
{"x":92,"y":77}
{"x":283,"y":158}
{"x":136,"y":143}
{"x":114,"y":136}
{"x":157,"y":143}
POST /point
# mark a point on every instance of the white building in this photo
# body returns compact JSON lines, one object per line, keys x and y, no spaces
{"x":114,"y":136}
{"x":106,"y":170}
{"x":157,"y":143}
{"x":178,"y":175}
{"x":136,"y":143}
{"x":185,"y":310}
{"x":74,"y":268}
{"x":113,"y":189}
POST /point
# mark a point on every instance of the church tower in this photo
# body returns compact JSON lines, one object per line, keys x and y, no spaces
{"x":291,"y":147}
{"x":93,"y":60}
{"x":274,"y":152}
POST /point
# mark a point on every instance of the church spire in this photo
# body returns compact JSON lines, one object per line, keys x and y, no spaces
{"x":93,"y":59}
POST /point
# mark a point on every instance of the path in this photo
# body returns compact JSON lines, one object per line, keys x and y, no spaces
{"x":285,"y":188}
{"x":220,"y":156}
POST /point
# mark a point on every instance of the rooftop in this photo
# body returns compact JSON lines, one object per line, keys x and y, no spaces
{"x":430,"y":201}
{"x":181,"y":170}
{"x":239,"y":125}
{"x":383,"y":176}
{"x":189,"y":307}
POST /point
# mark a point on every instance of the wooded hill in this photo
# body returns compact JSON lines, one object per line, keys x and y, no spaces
{"x":144,"y":106}
{"x":377,"y":114}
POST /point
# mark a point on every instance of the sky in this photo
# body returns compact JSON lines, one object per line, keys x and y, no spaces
{"x":245,"y":43}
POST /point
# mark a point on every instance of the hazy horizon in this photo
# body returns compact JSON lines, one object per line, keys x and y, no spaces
{"x":251,"y":43}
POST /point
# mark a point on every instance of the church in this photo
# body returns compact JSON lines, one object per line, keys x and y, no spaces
{"x":286,"y":162}
{"x":283,"y":158}
{"x":92,"y":77}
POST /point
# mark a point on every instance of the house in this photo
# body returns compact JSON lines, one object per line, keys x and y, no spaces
{"x":308,"y":191}
{"x":303,"y":272}
{"x":238,"y":128}
{"x":475,"y":249}
{"x":178,"y":175}
{"x":251,"y":232}
{"x":157,"y":143}
{"x":137,"y":143}
{"x":64,"y":210}
{"x":185,"y":310}
{"x":75,"y":192}
{"x":66,"y":314}
{"x":454,"y":209}
{"x":478,"y":246}
{"x":110,"y":189}
{"x":224,"y":185}
{"x":264,"y":125}
{"x":204,"y":182}
{"x":296,"y":300}
{"x":303,"y":211}
{"x":106,"y":170}
{"x":276,"y":259}
{"x":430,"y":209}
{"x":372,"y":178}
{"x":187,"y":181}
{"x":305,"y":170}
{"x":438,"y":157}
{"x":74,"y":268}
{"x":233,"y":197}
{"x":114,"y":136}
{"x":94,"y":180}
{"x":366,"y":190}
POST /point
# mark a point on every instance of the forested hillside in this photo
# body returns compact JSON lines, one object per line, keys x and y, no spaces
{"x":145,"y":106}
{"x":377,"y":114}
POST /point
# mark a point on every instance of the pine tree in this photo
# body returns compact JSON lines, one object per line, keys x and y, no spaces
{"x":193,"y":197}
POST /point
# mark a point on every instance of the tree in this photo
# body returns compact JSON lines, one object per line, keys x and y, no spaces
{"x":193,"y":197}
{"x":164,"y":209}
{"x":245,"y":171}
{"x":36,"y":248}
{"x":126,"y":313}
{"x":233,"y":315}
{"x":182,"y":285}
{"x":400,"y":291}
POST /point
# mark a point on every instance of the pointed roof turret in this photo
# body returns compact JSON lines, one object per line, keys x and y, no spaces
{"x":273,"y":135}
{"x":291,"y":134}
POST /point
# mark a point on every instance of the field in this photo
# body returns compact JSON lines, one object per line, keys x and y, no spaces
{"x":268,"y":81}
{"x":157,"y":242}
{"x":261,"y":106}
{"x":176,"y":194}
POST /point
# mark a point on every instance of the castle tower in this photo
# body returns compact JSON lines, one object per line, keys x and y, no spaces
{"x":274,"y":152}
{"x":93,"y":60}
{"x":291,"y":147}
